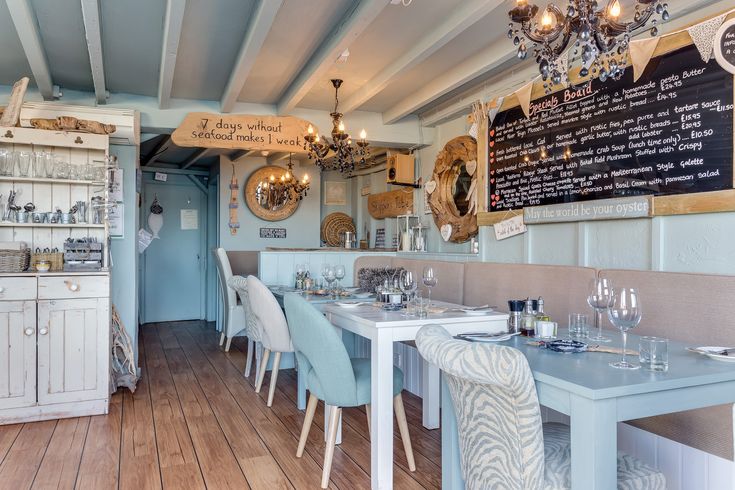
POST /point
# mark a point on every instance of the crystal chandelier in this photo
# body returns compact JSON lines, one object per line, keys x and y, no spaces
{"x":601,"y":37}
{"x":344,"y":152}
{"x":275,"y":192}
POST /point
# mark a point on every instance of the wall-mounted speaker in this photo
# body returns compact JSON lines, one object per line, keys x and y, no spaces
{"x":400,"y":169}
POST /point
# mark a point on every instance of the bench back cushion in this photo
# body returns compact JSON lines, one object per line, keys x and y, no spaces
{"x":563,"y":288}
{"x":691,"y":308}
{"x":243,"y":263}
{"x":450,"y":277}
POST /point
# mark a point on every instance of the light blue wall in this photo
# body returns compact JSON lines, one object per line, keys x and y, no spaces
{"x":302,"y":228}
{"x":124,"y":287}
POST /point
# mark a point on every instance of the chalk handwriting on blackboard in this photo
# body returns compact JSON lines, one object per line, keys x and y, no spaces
{"x":670,"y":133}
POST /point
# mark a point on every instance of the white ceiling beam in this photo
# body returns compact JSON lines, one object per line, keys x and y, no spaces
{"x":492,"y":57}
{"x":93,"y":32}
{"x":26,"y":26}
{"x":352,"y":24}
{"x":195,"y":157}
{"x":238,"y":154}
{"x":259,"y":24}
{"x":172,"y":23}
{"x":276,"y":157}
{"x":460,"y":20}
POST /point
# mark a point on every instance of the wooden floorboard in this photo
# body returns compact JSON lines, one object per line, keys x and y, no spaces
{"x":196,"y":422}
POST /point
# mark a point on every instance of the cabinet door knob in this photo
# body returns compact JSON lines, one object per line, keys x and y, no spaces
{"x":28,"y":331}
{"x":72,"y":286}
{"x":43,"y":330}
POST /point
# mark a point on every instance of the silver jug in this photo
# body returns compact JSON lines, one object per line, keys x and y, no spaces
{"x":348,"y":239}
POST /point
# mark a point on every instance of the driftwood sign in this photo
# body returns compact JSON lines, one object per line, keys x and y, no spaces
{"x":391,"y":204}
{"x":273,"y":133}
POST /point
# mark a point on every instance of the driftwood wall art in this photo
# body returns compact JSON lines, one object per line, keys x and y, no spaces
{"x":455,"y":210}
{"x":391,"y":204}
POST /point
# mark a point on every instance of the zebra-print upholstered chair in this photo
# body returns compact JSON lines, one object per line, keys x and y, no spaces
{"x":240,"y":285}
{"x":503,"y":443}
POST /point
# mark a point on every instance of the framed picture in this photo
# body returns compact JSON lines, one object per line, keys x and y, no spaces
{"x":335,"y":193}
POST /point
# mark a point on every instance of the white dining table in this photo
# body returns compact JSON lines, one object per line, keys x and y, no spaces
{"x":383,"y":328}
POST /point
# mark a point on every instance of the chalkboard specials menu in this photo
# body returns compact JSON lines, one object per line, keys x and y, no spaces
{"x":669,"y":133}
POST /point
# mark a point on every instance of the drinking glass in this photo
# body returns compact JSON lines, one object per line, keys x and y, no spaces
{"x":653,"y":353}
{"x":61,"y":168}
{"x":339,"y":274}
{"x":23,"y":162}
{"x":578,"y":326}
{"x":600,"y":298}
{"x":422,"y":306}
{"x":328,"y":275}
{"x":430,"y":279}
{"x":6,"y":160}
{"x":625,"y":313}
{"x":407,"y":283}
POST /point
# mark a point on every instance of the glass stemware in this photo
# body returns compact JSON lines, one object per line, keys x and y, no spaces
{"x":600,"y":298}
{"x":339,"y":274}
{"x":328,"y":275}
{"x":625,"y":313}
{"x":430,"y":279}
{"x":407,"y":283}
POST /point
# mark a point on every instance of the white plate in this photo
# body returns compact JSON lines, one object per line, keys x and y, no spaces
{"x":491,"y":338}
{"x":478,"y":312}
{"x":709,"y":351}
{"x":348,"y":304}
{"x":363,"y":295}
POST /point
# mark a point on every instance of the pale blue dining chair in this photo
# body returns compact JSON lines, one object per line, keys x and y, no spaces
{"x":503,"y":443}
{"x":333,"y":377}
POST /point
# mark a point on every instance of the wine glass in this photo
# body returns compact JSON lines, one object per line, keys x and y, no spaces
{"x":600,"y":298}
{"x":339,"y":274}
{"x":625,"y":313}
{"x":430,"y":279}
{"x":408,"y":285}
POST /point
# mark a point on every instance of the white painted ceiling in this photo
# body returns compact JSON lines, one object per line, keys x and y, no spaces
{"x":296,"y":54}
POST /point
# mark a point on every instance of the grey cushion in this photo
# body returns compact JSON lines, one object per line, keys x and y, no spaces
{"x":361,"y":367}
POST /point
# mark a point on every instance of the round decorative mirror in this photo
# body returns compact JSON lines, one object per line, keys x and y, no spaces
{"x":453,"y":189}
{"x":266,"y":197}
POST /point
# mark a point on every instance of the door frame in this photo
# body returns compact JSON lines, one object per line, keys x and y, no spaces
{"x":203,"y":225}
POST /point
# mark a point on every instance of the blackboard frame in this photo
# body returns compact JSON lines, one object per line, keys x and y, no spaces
{"x":703,"y":202}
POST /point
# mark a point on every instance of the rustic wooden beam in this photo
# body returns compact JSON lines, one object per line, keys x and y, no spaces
{"x":172,"y":24}
{"x":26,"y":25}
{"x":151,"y":157}
{"x":347,"y":29}
{"x":259,"y":25}
{"x":464,"y":16}
{"x":195,"y":157}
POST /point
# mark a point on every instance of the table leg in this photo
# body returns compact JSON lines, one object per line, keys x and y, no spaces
{"x":430,"y":390}
{"x":594,"y":443}
{"x":451,"y":469}
{"x":381,"y":405}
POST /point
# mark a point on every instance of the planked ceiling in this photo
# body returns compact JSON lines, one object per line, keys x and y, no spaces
{"x":404,"y":60}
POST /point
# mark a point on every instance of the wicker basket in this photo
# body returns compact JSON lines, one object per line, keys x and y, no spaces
{"x":14,"y":260}
{"x":56,"y":259}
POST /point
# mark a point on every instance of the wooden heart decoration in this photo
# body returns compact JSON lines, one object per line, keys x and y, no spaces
{"x":430,"y":186}
{"x":446,"y":232}
{"x":471,"y":167}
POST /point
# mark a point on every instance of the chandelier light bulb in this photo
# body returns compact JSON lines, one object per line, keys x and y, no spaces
{"x":272,"y":178}
{"x":363,"y":135}
{"x":341,"y":127}
{"x":521,"y":3}
{"x":546,"y":20}
{"x":306,"y":178}
{"x":615,"y":10}
{"x":310,"y":129}
{"x":317,"y":138}
{"x":288,"y":176}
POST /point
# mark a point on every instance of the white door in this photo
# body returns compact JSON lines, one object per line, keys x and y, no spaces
{"x":73,"y":350}
{"x":17,"y":354}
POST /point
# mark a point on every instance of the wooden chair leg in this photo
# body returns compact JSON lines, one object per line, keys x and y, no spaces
{"x":367,"y":411}
{"x":403,"y":427}
{"x":222,"y":338}
{"x":308,"y":419}
{"x":249,"y":358}
{"x":329,"y":451}
{"x":227,"y":345}
{"x":274,"y":377}
{"x":263,"y":365}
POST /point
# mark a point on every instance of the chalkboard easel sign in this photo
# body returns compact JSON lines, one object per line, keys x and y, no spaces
{"x":670,"y":133}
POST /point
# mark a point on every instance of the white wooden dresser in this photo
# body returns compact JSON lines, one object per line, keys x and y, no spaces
{"x":54,"y":326}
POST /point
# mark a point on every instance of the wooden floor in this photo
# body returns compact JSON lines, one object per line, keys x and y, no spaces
{"x":196,"y":422}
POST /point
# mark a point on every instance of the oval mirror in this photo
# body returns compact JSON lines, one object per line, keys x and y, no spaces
{"x":461,"y":190}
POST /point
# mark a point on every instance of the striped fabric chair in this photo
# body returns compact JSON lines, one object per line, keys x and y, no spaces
{"x":240,"y":285}
{"x":503,"y":443}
